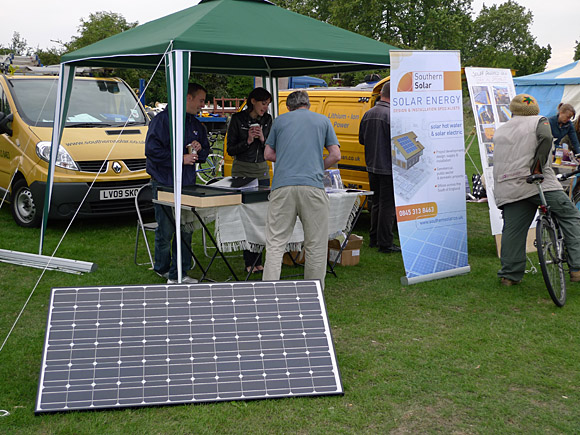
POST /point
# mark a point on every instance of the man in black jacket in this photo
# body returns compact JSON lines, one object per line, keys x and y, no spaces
{"x":160,"y":167}
{"x":375,"y":136}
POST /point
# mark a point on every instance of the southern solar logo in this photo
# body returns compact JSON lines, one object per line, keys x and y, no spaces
{"x":421,"y":81}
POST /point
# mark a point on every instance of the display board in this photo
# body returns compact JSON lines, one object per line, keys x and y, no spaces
{"x":491,"y":90}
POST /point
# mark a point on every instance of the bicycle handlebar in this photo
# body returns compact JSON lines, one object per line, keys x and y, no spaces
{"x":564,"y":177}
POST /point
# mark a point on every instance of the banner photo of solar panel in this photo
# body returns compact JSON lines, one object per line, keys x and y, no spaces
{"x":427,"y":148}
{"x":491,"y":90}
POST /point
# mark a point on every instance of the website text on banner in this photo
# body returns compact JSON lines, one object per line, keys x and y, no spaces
{"x":428,"y":163}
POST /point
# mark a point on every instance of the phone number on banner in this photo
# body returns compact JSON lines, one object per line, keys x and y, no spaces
{"x":416,"y":211}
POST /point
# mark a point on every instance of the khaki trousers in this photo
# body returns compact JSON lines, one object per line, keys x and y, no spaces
{"x":311,"y":204}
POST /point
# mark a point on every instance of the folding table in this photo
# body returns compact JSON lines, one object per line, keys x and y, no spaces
{"x":203,"y":201}
{"x":241,"y":225}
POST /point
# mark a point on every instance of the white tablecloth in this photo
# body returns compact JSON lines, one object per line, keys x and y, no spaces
{"x":243,"y":226}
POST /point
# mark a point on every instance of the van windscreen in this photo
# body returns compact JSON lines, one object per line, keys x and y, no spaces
{"x":93,"y":103}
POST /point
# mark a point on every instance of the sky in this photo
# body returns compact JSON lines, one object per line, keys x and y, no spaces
{"x":40,"y":22}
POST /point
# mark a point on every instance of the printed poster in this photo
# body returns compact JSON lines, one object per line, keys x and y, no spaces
{"x":491,"y":90}
{"x":428,"y":163}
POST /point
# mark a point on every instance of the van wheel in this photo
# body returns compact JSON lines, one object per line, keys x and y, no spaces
{"x":23,"y":207}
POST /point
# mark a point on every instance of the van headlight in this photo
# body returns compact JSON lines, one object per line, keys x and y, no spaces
{"x":63,"y":158}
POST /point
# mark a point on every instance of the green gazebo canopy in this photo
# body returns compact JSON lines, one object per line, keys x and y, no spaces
{"x":239,"y":37}
{"x":247,"y":37}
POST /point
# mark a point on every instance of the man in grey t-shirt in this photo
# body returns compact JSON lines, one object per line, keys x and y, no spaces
{"x":296,"y":143}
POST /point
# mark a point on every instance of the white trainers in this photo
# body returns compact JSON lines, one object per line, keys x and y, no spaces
{"x":184,"y":280}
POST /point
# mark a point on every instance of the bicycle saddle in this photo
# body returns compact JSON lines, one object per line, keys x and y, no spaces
{"x":535,"y":177}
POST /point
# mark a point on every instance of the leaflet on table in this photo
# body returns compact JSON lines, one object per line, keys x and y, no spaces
{"x":236,"y":183}
{"x":427,"y":143}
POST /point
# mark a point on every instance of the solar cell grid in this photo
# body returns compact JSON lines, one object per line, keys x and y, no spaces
{"x":110,"y":347}
{"x":434,"y":250}
{"x":407,"y":144}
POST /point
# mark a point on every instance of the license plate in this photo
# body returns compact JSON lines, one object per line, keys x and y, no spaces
{"x":119,"y":193}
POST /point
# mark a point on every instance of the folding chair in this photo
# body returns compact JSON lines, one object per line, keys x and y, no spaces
{"x":143,"y":202}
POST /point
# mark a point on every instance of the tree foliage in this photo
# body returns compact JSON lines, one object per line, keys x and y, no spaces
{"x":431,"y":24}
{"x":501,"y":38}
{"x":99,"y":25}
{"x":318,"y":9}
{"x":17,"y":46}
{"x":50,"y":56}
{"x":577,"y":51}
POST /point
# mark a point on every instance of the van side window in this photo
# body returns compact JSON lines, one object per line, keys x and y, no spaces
{"x":4,"y":105}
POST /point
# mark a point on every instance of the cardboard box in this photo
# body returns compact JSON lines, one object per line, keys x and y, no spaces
{"x":350,"y":255}
{"x":201,"y":199}
{"x":298,"y":257}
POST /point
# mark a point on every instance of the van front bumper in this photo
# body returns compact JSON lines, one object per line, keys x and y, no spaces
{"x":102,"y":200}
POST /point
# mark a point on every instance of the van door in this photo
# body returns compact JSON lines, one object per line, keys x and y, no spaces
{"x":345,"y":112}
{"x":7,"y":147}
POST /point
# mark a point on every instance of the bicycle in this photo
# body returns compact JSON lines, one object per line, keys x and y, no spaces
{"x":214,"y":163}
{"x":550,"y":243}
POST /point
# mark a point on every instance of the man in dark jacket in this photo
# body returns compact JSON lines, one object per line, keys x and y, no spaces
{"x":375,"y":136}
{"x":159,"y":166}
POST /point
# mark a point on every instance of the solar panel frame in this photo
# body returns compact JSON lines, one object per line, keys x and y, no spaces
{"x":133,"y":346}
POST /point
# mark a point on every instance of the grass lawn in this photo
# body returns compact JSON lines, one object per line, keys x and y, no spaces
{"x":457,"y":355}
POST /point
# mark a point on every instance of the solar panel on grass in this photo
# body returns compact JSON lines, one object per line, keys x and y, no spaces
{"x":115,"y":347}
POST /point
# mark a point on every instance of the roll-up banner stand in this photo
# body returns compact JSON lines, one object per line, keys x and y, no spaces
{"x":428,"y":146}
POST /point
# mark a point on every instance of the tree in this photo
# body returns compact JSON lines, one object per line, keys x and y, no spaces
{"x":18,"y":46}
{"x":369,"y":18}
{"x":444,"y":24}
{"x":318,"y":9}
{"x":99,"y":25}
{"x":49,"y":56}
{"x":577,"y":51}
{"x":501,"y":38}
{"x":426,"y":24}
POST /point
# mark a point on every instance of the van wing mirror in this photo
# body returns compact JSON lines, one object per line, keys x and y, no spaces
{"x":5,"y":120}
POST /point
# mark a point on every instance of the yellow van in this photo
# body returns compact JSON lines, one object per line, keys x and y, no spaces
{"x":345,"y":108}
{"x":98,"y":110}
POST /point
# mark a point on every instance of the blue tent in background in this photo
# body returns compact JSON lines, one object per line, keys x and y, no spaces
{"x":552,"y":87}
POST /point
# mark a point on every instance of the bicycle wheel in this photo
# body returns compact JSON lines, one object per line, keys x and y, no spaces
{"x":551,"y":255}
{"x":211,"y":168}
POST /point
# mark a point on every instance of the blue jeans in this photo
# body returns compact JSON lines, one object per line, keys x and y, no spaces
{"x":166,"y":242}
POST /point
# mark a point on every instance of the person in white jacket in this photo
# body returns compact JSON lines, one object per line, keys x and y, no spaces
{"x":523,"y":146}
